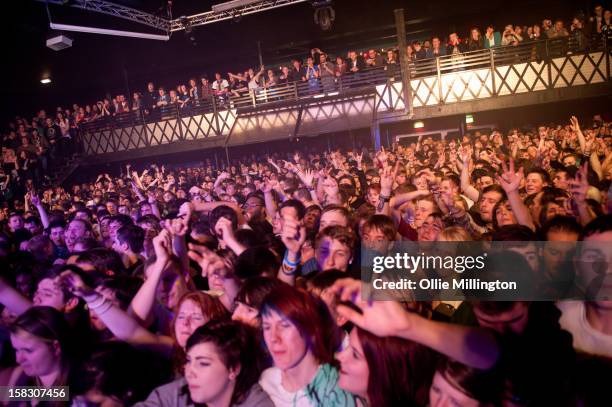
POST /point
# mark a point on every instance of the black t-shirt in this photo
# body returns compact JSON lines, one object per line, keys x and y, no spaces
{"x":53,"y":132}
{"x":296,"y":76}
{"x":150,"y":99}
{"x":539,"y":362}
{"x":357,"y":203}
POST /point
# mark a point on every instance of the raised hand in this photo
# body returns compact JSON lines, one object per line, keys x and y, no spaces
{"x":209,"y":261}
{"x":162,"y":244}
{"x":510,"y":180}
{"x":382,"y":156}
{"x":224,"y":229}
{"x":358,"y":158}
{"x":307,"y":177}
{"x":465,"y":155}
{"x":387,"y":177}
{"x":382,"y":318}
{"x":588,"y":145}
{"x":35,"y":199}
{"x":579,"y":186}
{"x":575,"y":125}
{"x":293,"y":234}
{"x":74,"y":283}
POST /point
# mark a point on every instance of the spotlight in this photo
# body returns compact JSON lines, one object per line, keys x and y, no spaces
{"x":419,"y":125}
{"x":45,"y":81}
{"x":324,"y":14}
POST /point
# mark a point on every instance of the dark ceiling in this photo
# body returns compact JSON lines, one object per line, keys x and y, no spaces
{"x":97,"y":65}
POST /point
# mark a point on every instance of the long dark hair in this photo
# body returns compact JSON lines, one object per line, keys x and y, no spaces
{"x":49,"y":325}
{"x":236,"y":345}
{"x":401,"y":371}
{"x":255,"y":289}
{"x":484,"y":386}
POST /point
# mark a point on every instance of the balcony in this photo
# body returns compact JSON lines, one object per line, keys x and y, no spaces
{"x":531,"y":73}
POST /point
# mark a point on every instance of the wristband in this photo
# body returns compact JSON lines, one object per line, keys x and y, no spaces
{"x":385,"y":198}
{"x":290,"y":263}
{"x":288,"y":273}
{"x":101,"y":309}
{"x":96,"y":303}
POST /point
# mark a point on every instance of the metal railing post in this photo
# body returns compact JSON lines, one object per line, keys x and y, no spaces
{"x":607,"y":51}
{"x":493,"y":73}
{"x":548,"y":64}
{"x":400,"y":27}
{"x":179,"y":119}
{"x":439,"y":74}
{"x":295,"y":91}
{"x":140,"y":118}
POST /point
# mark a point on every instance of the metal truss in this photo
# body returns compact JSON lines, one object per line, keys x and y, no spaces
{"x":117,"y":10}
{"x":210,"y":17}
{"x":177,"y":24}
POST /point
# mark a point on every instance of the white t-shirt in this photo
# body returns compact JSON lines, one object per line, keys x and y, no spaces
{"x":220,"y":85}
{"x":586,"y":339}
{"x":322,"y":390}
{"x":271,"y":382}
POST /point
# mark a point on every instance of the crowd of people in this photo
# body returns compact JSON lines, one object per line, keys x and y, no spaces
{"x":239,"y":286}
{"x":320,"y":70}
